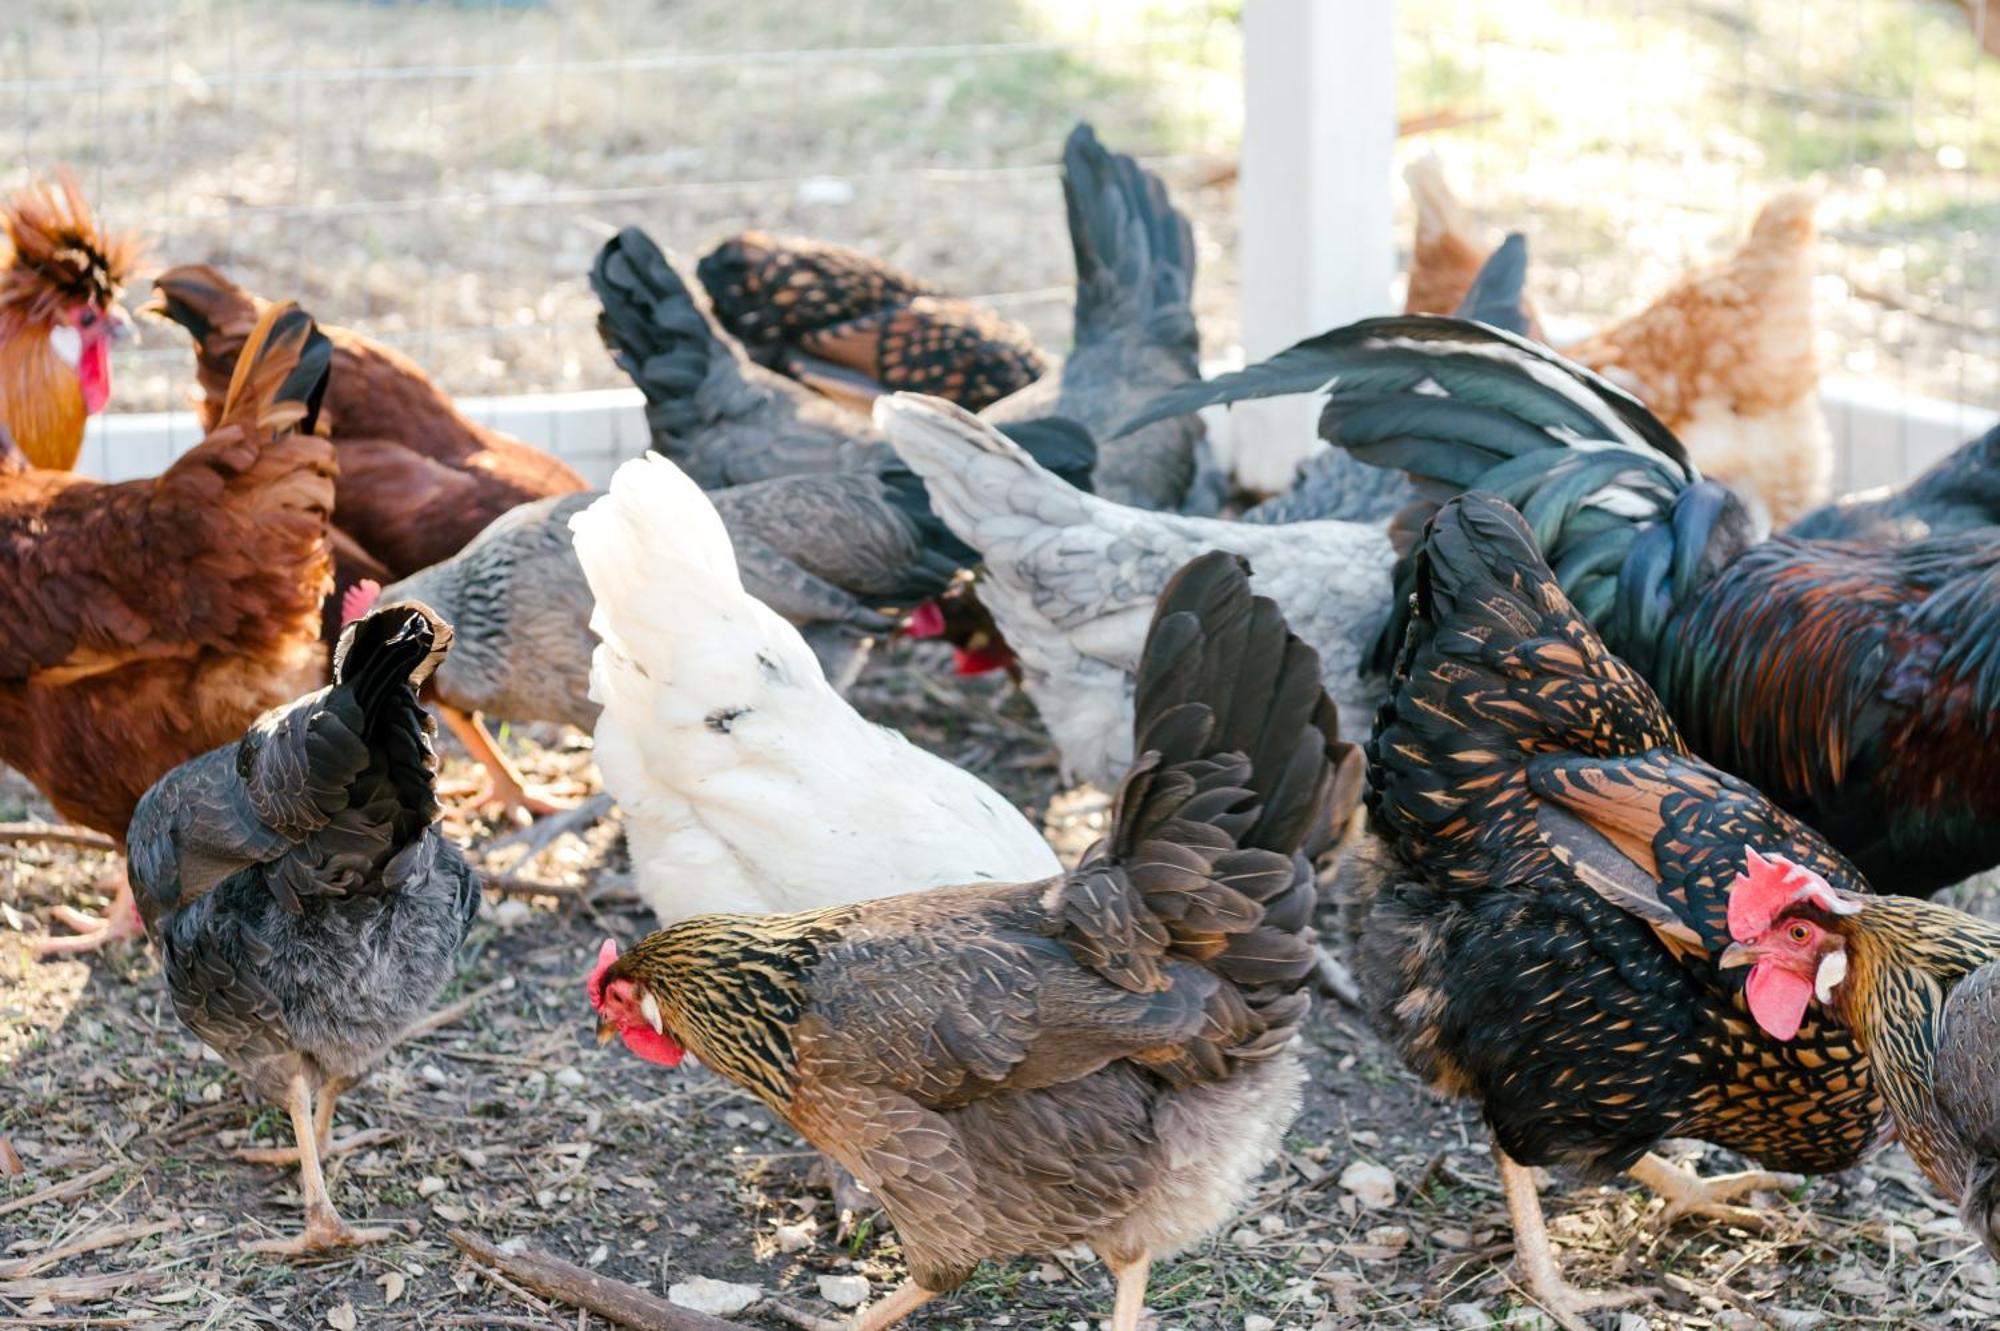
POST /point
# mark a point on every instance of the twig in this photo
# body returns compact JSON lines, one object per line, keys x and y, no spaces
{"x":55,"y":834}
{"x":499,"y":1319}
{"x":611,"y":1299}
{"x":451,"y":1012}
{"x":114,"y":1236}
{"x":78,"y":1289}
{"x":56,"y":1192}
{"x":799,"y":1317}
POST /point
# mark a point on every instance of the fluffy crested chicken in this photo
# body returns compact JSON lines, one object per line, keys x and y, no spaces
{"x":1135,"y":333}
{"x":1724,"y":356}
{"x":146,"y":622}
{"x":418,"y":478}
{"x":1919,"y":986}
{"x":1333,"y":483}
{"x":1857,"y":686}
{"x":747,"y":782}
{"x":1960,"y":492}
{"x":1547,"y":941}
{"x":723,"y":419}
{"x":59,"y":315}
{"x":854,"y":327}
{"x":1071,"y":579}
{"x":1448,"y":255}
{"x":1099,"y":1057}
{"x":306,"y":907}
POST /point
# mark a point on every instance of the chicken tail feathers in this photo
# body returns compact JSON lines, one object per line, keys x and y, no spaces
{"x":1242,"y":778}
{"x":216,"y":312}
{"x":281,"y":374}
{"x":1135,"y":255}
{"x":658,"y":330}
{"x":1496,"y":295}
{"x":975,"y":477}
{"x":1056,"y":443}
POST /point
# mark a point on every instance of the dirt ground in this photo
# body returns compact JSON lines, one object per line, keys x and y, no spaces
{"x":512,"y":1124}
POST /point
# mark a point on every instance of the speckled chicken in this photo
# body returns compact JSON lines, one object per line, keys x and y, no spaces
{"x":1546,"y":939}
{"x":1071,"y":579}
{"x":1135,"y":334}
{"x":1099,"y":1057}
{"x":306,"y":907}
{"x":854,"y":327}
{"x":1917,"y":983}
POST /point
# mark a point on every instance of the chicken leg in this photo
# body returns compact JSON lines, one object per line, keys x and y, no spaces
{"x":504,"y":784}
{"x":1131,"y":1304}
{"x":1688,"y":1193}
{"x":1535,"y":1259}
{"x":121,"y":921}
{"x":909,"y":1297}
{"x":322,"y":1134}
{"x":324,"y":1228}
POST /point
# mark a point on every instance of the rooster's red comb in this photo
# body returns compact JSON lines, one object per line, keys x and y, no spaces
{"x":926,"y":621}
{"x":1771,"y":885}
{"x":359,"y":599}
{"x":606,"y":954}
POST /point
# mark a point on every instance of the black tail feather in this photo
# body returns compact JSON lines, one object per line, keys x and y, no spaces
{"x":1135,"y":255}
{"x":655,"y":328}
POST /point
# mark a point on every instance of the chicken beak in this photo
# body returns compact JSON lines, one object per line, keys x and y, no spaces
{"x":607,"y":1031}
{"x":1735,"y":956}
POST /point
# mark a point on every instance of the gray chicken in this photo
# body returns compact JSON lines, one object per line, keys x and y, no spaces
{"x":1135,"y":334}
{"x":723,"y":419}
{"x":305,"y":904}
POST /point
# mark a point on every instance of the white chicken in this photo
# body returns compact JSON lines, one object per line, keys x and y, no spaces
{"x":748,"y":784}
{"x":1071,"y":579}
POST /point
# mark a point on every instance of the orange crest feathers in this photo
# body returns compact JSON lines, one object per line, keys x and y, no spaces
{"x":1770,"y":887}
{"x":58,"y":257}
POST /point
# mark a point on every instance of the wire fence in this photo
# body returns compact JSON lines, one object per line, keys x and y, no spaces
{"x":440,"y":174}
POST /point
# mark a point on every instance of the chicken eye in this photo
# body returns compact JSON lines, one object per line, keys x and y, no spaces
{"x":89,"y":316}
{"x":1800,"y":933}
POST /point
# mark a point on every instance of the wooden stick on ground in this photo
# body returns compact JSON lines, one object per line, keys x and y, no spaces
{"x":69,"y":1187}
{"x":54,"y":834}
{"x":79,"y":1289}
{"x":452,"y":1012}
{"x":113,"y":1237}
{"x":553,"y":1278}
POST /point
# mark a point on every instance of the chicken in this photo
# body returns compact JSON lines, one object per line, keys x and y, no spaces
{"x":146,"y":622}
{"x":306,"y":907}
{"x":1071,"y":579}
{"x":1917,"y":983}
{"x":1333,"y":483}
{"x":1960,"y":492}
{"x":747,"y":783}
{"x":724,"y":419}
{"x":1855,"y":685}
{"x":1448,"y":256}
{"x":1099,"y":1057}
{"x":854,"y":327}
{"x":59,"y":315}
{"x":1724,"y":356}
{"x":1547,"y":940}
{"x":418,"y":479}
{"x":1135,"y":333}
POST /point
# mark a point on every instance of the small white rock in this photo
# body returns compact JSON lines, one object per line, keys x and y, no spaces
{"x":1259,"y":1322}
{"x":433,"y":1074}
{"x":1633,"y":1322}
{"x":1469,"y":1317}
{"x":1530,"y":1319}
{"x":717,"y":1298}
{"x":1369,"y":1184}
{"x":1271,"y":1224}
{"x":569,"y":1078}
{"x":844,"y":1291}
{"x":211,"y":1093}
{"x":796,"y":1238}
{"x":430,"y":1185}
{"x":1246,"y":1237}
{"x":512,"y":913}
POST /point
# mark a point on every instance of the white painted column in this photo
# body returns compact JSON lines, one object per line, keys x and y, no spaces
{"x":1319,"y":136}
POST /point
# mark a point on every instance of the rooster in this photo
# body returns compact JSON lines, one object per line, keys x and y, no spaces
{"x":418,"y":478}
{"x":747,"y":783}
{"x":59,"y":316}
{"x":306,"y":907}
{"x":1724,"y":356}
{"x":1548,"y":939}
{"x":1098,"y":1057}
{"x":1071,"y":579}
{"x":1857,"y":686}
{"x":1917,"y":983}
{"x":146,"y":622}
{"x":854,"y":327}
{"x":1135,"y":333}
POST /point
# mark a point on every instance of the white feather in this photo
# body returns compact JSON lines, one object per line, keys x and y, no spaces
{"x":748,"y":784}
{"x":67,"y":343}
{"x":1832,"y":970}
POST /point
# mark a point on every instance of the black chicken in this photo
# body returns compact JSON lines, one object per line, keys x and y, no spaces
{"x":305,"y":905}
{"x":1545,"y":938}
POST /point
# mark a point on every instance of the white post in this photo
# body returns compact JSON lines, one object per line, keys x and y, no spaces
{"x":1319,"y":135}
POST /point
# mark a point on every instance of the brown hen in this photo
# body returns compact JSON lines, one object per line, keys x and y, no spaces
{"x":1101,"y":1057}
{"x":147,"y":622}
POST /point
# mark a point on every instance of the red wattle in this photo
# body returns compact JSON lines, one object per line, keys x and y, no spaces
{"x":926,"y":621}
{"x":1778,"y":999}
{"x":983,"y":661}
{"x":93,"y":371}
{"x":652,"y":1046}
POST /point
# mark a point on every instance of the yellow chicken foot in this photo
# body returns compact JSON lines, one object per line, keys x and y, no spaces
{"x":1131,"y":1305}
{"x":1535,"y":1258}
{"x":909,"y":1297}
{"x":324,"y":1230}
{"x":504,"y":785}
{"x":121,"y":921}
{"x":1688,"y":1193}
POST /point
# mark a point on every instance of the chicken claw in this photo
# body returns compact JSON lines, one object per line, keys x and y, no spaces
{"x":1535,"y":1259}
{"x":324,"y":1232}
{"x":1688,"y":1193}
{"x":121,"y":921}
{"x":289,"y":1155}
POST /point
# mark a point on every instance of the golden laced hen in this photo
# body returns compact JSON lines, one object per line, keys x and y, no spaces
{"x":1101,"y":1057}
